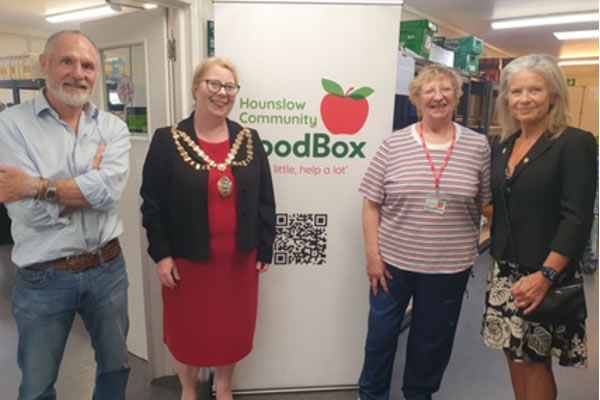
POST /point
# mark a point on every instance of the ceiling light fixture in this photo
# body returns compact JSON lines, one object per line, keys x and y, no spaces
{"x":83,"y":13}
{"x":565,"y":63}
{"x":351,"y":2}
{"x":555,"y":19}
{"x":572,"y":35}
{"x":150,"y":4}
{"x":578,"y":56}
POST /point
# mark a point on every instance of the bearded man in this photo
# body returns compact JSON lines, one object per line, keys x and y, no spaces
{"x":63,"y":167}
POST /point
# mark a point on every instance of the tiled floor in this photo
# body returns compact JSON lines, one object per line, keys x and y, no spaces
{"x":475,"y":372}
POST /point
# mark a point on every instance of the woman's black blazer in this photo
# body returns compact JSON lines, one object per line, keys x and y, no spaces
{"x":549,"y":203}
{"x":174,"y":207}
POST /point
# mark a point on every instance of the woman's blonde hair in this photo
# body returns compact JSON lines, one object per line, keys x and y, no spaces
{"x":201,"y":69}
{"x":547,"y":67}
{"x":430,"y":74}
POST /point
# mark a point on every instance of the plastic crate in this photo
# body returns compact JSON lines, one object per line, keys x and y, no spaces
{"x":470,"y":44}
{"x":467,"y":62}
{"x":419,"y":24}
{"x":417,"y":35}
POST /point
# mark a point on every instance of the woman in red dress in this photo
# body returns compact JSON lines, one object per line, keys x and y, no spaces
{"x":209,"y":213}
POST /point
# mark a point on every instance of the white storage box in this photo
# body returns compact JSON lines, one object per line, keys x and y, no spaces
{"x":442,"y":56}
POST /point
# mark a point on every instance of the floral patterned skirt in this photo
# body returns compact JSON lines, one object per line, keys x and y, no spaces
{"x":524,"y":340}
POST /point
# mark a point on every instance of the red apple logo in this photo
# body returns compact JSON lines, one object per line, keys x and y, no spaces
{"x":344,"y":113}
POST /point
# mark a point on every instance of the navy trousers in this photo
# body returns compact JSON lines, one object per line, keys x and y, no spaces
{"x":437,"y":299}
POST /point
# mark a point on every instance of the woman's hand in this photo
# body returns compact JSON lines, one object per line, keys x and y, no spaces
{"x":166,"y":269}
{"x":529,"y":291}
{"x":262,"y":267}
{"x":377,"y":273}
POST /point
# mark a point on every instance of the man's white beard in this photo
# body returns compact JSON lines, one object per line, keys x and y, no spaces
{"x":76,"y":99}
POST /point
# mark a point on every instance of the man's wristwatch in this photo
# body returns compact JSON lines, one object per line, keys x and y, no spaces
{"x":549,"y":273}
{"x":49,"y":191}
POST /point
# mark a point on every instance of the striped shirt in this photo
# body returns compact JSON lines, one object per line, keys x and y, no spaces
{"x":400,"y":179}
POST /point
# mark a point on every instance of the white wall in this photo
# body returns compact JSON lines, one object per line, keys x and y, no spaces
{"x":14,"y":42}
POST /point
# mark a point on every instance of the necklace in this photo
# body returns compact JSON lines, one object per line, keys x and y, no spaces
{"x":224,"y":184}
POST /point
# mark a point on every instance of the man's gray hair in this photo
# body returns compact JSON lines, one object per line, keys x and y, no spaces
{"x":49,"y":46}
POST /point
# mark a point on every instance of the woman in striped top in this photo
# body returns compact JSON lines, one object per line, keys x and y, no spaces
{"x":423,"y":193}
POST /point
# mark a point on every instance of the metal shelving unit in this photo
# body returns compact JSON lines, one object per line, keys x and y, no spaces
{"x":475,"y":108}
{"x":16,"y":85}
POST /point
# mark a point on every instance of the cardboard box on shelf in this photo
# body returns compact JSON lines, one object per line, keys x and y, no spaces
{"x":506,"y":60}
{"x":24,"y":66}
{"x":490,"y":68}
{"x":417,"y":35}
{"x":30,"y":66}
{"x":489,"y":62}
{"x":13,"y":66}
{"x":489,"y":74}
{"x":4,"y":68}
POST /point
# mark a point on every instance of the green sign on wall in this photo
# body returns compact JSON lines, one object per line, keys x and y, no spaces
{"x":570,"y":81}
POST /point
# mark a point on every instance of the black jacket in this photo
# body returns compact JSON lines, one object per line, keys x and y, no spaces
{"x":5,"y":237}
{"x":549,"y":201}
{"x":174,"y":208}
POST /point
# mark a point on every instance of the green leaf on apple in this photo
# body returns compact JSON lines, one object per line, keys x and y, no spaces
{"x":332,"y":88}
{"x":361,"y":93}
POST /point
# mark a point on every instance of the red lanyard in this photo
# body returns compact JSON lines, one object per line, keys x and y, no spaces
{"x":437,"y":174}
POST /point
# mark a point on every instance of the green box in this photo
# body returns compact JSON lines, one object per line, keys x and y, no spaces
{"x":137,"y":119}
{"x":469,"y":44}
{"x":417,"y":35}
{"x":419,"y":24}
{"x":468,"y":62}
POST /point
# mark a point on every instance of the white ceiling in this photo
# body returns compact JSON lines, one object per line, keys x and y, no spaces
{"x":475,"y":16}
{"x":470,"y":16}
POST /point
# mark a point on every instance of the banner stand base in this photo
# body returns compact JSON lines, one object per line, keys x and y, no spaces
{"x":310,"y":389}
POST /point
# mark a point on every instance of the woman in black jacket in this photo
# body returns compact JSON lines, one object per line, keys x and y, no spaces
{"x":209,"y":213}
{"x":543,"y":184}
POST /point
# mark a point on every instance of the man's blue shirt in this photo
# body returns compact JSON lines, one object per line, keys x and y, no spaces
{"x":34,"y":139}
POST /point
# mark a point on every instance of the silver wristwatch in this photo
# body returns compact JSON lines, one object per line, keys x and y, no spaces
{"x":51,"y":195}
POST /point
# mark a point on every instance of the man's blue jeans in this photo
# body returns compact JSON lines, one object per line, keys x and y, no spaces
{"x":44,"y":305}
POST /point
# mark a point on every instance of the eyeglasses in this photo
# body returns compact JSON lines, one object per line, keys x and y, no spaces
{"x":215,"y":86}
{"x":445,"y":91}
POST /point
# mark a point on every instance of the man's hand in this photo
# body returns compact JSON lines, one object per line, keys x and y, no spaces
{"x":95,"y":165}
{"x":16,"y":185}
{"x":98,"y":156}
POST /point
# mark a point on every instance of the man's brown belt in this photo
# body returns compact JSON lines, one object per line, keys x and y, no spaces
{"x":85,"y":261}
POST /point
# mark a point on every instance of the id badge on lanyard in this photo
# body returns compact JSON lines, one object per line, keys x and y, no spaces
{"x":434,"y":202}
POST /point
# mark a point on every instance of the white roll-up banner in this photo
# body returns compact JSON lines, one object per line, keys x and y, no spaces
{"x":317,"y":82}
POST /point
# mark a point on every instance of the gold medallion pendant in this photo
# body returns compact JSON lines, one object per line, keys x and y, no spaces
{"x":224,"y":186}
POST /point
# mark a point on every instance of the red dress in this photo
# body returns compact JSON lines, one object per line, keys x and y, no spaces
{"x":209,"y":319}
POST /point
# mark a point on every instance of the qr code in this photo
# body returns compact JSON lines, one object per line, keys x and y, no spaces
{"x":300,"y":239}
